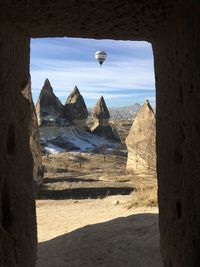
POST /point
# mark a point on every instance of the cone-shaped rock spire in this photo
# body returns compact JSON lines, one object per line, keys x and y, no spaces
{"x":141,"y":141}
{"x":101,"y":125}
{"x":75,"y":108}
{"x":100,"y":110}
{"x":47,"y":87}
{"x":48,"y":106}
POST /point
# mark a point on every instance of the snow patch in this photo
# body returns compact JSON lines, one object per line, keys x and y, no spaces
{"x":81,"y":139}
{"x":53,"y":149}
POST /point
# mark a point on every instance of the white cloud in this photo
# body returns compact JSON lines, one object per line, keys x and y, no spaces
{"x":86,"y":75}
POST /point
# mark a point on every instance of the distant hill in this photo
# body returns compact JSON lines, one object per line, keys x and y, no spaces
{"x":126,"y":112}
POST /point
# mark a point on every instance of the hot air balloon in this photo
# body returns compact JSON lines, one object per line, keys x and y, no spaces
{"x":100,"y":56}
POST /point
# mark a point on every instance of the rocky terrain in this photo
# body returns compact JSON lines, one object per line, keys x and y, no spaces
{"x":64,"y":127}
{"x":89,"y":208}
{"x":71,"y":138}
{"x":74,"y":127}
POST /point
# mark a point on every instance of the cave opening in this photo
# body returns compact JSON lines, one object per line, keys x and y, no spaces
{"x":84,"y":153}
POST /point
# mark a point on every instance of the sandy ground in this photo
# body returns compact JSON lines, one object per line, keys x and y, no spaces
{"x":97,"y":232}
{"x":82,"y":214}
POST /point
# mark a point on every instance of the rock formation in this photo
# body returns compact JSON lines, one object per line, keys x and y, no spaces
{"x":141,"y":142}
{"x":172,"y":27}
{"x":48,"y":107}
{"x":101,"y":125}
{"x":75,"y":109}
{"x":34,"y":140}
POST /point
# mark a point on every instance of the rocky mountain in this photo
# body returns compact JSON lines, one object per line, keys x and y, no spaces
{"x":48,"y":106}
{"x":64,"y":127}
{"x":76,"y":137}
{"x":101,"y":125}
{"x":141,"y":141}
{"x":75,"y":109}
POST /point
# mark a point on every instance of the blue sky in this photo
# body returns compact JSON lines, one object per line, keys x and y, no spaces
{"x":126,"y":77}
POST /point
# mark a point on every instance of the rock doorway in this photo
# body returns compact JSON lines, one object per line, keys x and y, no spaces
{"x":172,"y":28}
{"x":98,"y":174}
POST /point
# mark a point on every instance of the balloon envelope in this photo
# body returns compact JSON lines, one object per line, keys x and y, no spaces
{"x":100,"y":56}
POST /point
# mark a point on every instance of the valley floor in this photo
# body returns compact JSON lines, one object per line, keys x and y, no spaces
{"x":100,"y":232}
{"x":87,"y":222}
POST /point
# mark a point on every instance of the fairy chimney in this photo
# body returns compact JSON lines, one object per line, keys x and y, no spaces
{"x":48,"y":107}
{"x":141,"y":142}
{"x":75,"y":109}
{"x":101,"y":114}
{"x":101,"y":125}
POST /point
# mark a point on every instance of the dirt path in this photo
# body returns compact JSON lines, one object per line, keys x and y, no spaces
{"x":96,"y":232}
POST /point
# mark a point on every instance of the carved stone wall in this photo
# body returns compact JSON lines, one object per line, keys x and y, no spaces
{"x":173,"y":29}
{"x":34,"y":140}
{"x":177,"y":64}
{"x":17,"y":207}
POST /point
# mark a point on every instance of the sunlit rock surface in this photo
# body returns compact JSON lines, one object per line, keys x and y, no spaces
{"x":34,"y":140}
{"x":101,"y":125}
{"x":48,"y":107}
{"x":141,"y":141}
{"x":75,"y":109}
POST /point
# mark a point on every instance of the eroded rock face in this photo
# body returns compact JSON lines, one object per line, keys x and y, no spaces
{"x":100,"y":112}
{"x":173,"y":29}
{"x":75,"y":109}
{"x":18,"y":233}
{"x":34,"y":140}
{"x":48,"y":106}
{"x":141,"y":142}
{"x":101,"y":125}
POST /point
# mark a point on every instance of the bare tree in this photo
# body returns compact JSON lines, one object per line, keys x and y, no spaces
{"x":102,"y":150}
{"x":80,"y":160}
{"x":149,"y":157}
{"x":145,"y":153}
{"x":142,"y":157}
